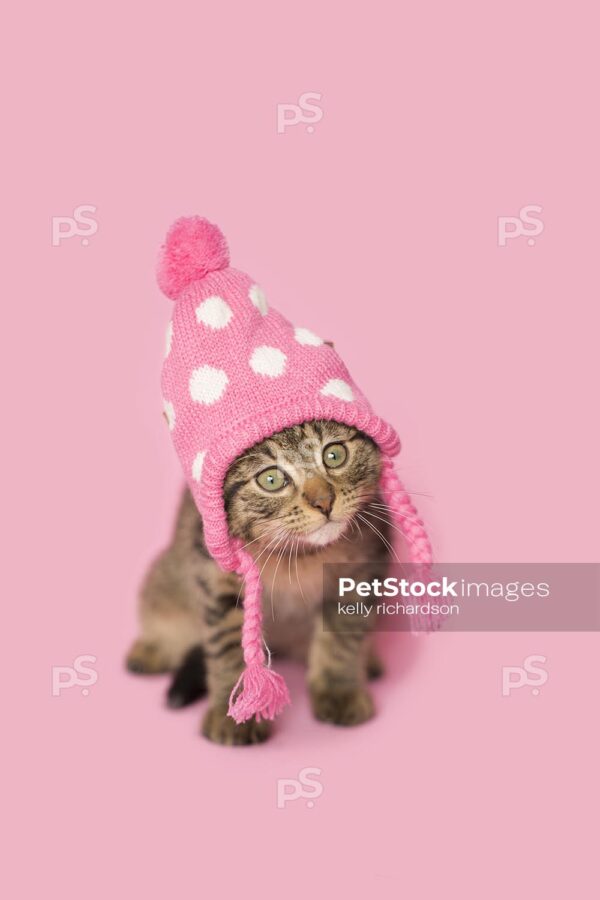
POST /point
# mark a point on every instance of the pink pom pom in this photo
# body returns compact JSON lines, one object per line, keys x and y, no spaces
{"x":193,"y":248}
{"x":259,"y":692}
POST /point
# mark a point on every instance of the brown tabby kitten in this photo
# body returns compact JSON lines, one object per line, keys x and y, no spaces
{"x":298,"y":500}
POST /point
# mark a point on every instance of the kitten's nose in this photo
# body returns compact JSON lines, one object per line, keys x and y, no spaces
{"x":319,"y":494}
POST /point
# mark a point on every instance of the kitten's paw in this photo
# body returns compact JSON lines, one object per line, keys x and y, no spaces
{"x":221,"y":728}
{"x":145,"y":658}
{"x":351,"y":707}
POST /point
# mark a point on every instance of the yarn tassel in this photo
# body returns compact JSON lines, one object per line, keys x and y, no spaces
{"x":259,"y":691}
{"x":412,"y":527}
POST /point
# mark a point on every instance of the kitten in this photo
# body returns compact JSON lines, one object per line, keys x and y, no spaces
{"x":298,"y":500}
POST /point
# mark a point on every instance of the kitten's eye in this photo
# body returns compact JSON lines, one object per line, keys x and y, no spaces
{"x":272,"y":479}
{"x":335,"y":455}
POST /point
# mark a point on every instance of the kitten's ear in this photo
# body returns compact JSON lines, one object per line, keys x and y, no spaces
{"x":329,"y":344}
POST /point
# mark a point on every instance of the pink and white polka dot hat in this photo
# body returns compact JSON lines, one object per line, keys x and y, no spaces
{"x":235,"y":372}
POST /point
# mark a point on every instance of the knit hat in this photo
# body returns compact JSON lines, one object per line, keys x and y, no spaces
{"x":236,"y":372}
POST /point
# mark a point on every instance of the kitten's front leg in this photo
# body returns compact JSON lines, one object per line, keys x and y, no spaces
{"x":224,"y":665}
{"x":337,"y":669}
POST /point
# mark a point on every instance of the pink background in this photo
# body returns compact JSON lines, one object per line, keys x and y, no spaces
{"x":378,"y":230}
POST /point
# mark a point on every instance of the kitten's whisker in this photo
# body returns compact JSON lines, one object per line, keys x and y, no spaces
{"x":395,"y":527}
{"x":384,"y":539}
{"x":354,"y":523}
{"x":381,"y":494}
{"x":383,"y":509}
{"x":256,"y":560}
{"x":279,"y":532}
{"x":274,"y":544}
{"x":297,"y":575}
{"x":290,"y":562}
{"x":269,"y":544}
{"x":279,"y":558}
{"x":410,"y":493}
{"x":265,"y":563}
{"x":271,"y":527}
{"x":243,"y":547}
{"x":416,"y":519}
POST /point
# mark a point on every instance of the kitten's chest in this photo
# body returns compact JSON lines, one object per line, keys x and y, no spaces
{"x":292,"y":596}
{"x":294,"y":587}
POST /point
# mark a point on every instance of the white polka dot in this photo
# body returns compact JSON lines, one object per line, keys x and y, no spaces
{"x":168,"y":339}
{"x":207,"y":384}
{"x":268,"y":361}
{"x":335,"y":387}
{"x":214,"y":312}
{"x":169,"y":413}
{"x":304,"y":336}
{"x":257,"y":296}
{"x":197,"y":465}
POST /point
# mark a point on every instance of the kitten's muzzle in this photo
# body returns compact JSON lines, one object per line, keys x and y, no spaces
{"x":324,"y":534}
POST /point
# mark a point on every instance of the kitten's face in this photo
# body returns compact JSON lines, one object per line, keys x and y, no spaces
{"x":304,"y":484}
